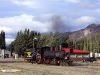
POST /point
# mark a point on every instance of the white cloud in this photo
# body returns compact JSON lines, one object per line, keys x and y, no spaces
{"x":28,"y":3}
{"x":11,"y":25}
{"x":6,"y":29}
{"x":86,"y":20}
{"x":87,"y":4}
{"x":9,"y":40}
{"x":83,"y":22}
{"x":16,"y":23}
{"x":43,"y":18}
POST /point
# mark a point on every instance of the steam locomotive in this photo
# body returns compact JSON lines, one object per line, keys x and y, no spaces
{"x":52,"y":55}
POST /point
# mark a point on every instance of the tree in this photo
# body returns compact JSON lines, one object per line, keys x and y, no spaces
{"x":11,"y":47}
{"x":85,"y":44}
{"x":91,"y":43}
{"x":2,"y":40}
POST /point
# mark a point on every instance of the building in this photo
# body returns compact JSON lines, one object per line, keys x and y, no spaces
{"x":77,"y":54}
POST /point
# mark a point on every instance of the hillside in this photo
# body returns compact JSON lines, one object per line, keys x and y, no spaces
{"x":92,"y":28}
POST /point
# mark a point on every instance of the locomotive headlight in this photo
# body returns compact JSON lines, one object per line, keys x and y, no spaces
{"x":65,"y":57}
{"x":34,"y":43}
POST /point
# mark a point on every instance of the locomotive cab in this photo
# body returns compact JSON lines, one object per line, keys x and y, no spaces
{"x":40,"y":54}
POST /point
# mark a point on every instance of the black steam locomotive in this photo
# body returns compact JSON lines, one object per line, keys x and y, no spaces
{"x":52,"y":55}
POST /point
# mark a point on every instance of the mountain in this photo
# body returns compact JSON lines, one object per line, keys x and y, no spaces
{"x":92,"y":28}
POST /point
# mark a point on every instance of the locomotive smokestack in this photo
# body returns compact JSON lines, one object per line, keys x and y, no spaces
{"x":51,"y":48}
{"x":60,"y":47}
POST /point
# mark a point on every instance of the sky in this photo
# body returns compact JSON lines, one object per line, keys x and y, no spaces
{"x":47,"y":15}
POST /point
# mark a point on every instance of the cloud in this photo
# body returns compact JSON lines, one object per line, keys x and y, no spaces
{"x":29,"y":3}
{"x":84,"y":21}
{"x":87,"y":4}
{"x":43,"y":18}
{"x":16,"y":23}
{"x":6,"y":29}
{"x":11,"y":25}
{"x":9,"y":40}
{"x":43,"y":23}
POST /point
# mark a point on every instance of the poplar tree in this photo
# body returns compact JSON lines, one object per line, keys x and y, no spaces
{"x":2,"y":40}
{"x":85,"y":43}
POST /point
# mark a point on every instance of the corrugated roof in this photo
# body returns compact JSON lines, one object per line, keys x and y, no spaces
{"x":76,"y":51}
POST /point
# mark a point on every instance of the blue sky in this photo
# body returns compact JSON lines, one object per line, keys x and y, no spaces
{"x":47,"y":15}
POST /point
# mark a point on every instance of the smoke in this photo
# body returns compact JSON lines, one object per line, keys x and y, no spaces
{"x":58,"y":24}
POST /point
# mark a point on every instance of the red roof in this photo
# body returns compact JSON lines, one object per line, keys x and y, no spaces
{"x":76,"y":51}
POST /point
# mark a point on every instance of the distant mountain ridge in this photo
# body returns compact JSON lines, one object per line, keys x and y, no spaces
{"x":92,"y":28}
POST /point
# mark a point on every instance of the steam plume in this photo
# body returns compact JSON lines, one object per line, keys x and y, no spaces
{"x":58,"y":24}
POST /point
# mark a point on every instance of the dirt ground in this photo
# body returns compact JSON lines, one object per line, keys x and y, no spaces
{"x":25,"y":68}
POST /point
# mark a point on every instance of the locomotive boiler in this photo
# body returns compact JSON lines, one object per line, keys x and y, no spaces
{"x":54,"y":54}
{"x":55,"y":57}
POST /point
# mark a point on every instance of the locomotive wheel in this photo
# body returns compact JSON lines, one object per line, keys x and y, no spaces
{"x":47,"y":61}
{"x":64,"y":63}
{"x":54,"y":61}
{"x":28,"y":60}
{"x":70,"y":63}
{"x":58,"y":63}
{"x":38,"y":61}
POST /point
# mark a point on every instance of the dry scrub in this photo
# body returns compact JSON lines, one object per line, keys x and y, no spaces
{"x":78,"y":68}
